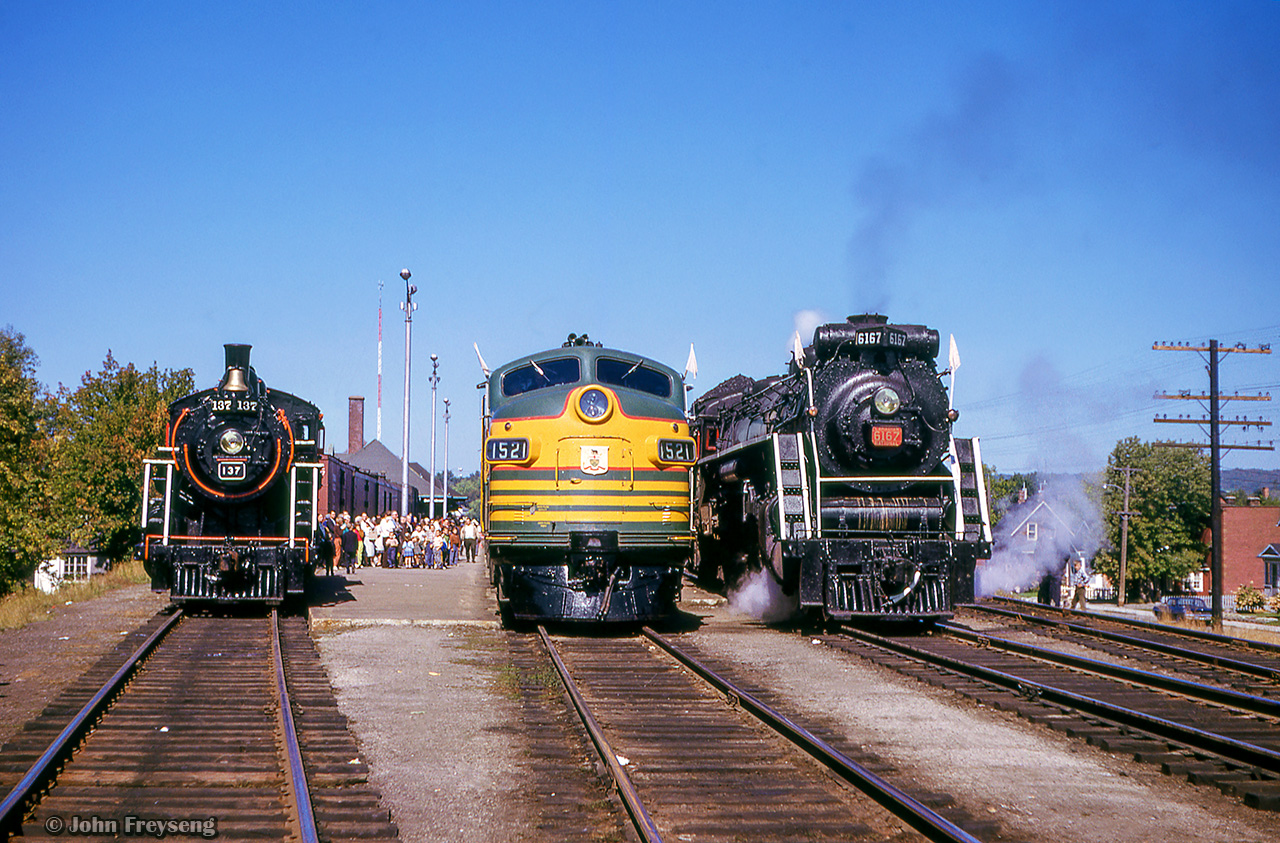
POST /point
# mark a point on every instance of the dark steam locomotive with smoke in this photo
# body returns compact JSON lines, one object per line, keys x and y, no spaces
{"x":841,"y":478}
{"x":229,"y":503}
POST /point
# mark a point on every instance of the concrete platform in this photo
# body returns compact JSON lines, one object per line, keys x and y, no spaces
{"x":460,"y":595}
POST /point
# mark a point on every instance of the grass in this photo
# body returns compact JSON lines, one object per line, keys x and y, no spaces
{"x":29,"y":605}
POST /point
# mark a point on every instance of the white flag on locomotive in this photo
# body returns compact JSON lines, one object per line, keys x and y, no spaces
{"x":953,"y":363}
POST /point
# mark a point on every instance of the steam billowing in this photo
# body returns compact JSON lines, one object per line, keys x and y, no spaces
{"x":760,"y":596}
{"x":1068,"y":523}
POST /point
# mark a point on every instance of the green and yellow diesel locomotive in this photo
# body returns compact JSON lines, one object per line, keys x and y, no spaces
{"x":586,"y":488}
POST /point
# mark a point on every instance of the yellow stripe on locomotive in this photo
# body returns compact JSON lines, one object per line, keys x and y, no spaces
{"x":591,"y":466}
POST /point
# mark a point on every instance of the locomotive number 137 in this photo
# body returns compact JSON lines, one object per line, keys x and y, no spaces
{"x":232,"y":405}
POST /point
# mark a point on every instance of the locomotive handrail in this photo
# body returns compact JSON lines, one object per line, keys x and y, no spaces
{"x":890,"y":478}
{"x":223,"y":539}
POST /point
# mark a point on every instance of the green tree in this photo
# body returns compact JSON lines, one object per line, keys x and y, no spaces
{"x":103,"y":431}
{"x":25,"y":540}
{"x":1003,"y":489}
{"x":1169,"y":498}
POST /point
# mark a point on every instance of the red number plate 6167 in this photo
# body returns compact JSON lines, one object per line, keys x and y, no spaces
{"x":886,"y":436}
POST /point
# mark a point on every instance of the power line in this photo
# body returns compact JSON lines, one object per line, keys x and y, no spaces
{"x":1214,"y":351}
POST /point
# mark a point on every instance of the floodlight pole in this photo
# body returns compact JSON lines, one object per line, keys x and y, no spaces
{"x":408,"y":307}
{"x":431,"y":481}
{"x":445,"y":508}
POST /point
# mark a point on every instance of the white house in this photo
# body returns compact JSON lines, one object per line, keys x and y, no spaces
{"x":76,"y":564}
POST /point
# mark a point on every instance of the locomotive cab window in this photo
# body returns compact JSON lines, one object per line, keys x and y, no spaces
{"x":563,"y":370}
{"x":631,"y":376}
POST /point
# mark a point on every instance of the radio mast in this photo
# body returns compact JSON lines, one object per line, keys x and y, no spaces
{"x":379,"y":436}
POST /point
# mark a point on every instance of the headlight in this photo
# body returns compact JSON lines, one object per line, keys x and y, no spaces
{"x":231,"y":442}
{"x":593,"y":404}
{"x":887,"y":401}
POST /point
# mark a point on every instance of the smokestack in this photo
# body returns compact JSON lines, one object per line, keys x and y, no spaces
{"x":235,"y":379}
{"x":355,"y":423}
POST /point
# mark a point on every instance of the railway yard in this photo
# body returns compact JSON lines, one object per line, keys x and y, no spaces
{"x":417,"y":716}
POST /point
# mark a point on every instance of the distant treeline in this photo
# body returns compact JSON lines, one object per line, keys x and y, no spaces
{"x":1251,"y":480}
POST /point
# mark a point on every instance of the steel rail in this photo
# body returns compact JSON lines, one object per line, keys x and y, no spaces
{"x":1196,"y":690}
{"x":644,"y":824}
{"x":293,"y":752}
{"x":1140,"y":643}
{"x":1228,"y":748}
{"x":11,"y":809}
{"x":903,"y":806}
{"x":1203,"y":634}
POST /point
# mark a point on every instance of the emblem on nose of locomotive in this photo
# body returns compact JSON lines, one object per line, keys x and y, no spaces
{"x":595,"y":459}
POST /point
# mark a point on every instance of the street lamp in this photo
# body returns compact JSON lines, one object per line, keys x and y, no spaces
{"x":435,"y":381}
{"x":408,"y":307}
{"x":446,"y":457}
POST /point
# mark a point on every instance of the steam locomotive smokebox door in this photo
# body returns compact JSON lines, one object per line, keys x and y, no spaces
{"x":592,"y":553}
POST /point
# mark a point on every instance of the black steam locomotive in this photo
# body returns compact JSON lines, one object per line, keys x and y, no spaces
{"x":229,"y":503}
{"x":842,"y":479}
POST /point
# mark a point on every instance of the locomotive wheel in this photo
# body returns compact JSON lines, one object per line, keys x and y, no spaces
{"x":768,"y":550}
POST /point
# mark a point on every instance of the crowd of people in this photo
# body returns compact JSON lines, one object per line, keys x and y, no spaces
{"x":395,"y":541}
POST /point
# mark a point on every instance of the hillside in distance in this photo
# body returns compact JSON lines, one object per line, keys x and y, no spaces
{"x":1251,"y":480}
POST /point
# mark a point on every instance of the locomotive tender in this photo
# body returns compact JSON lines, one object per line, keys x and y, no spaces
{"x":585,"y":483}
{"x":842,"y":479}
{"x":229,"y":502}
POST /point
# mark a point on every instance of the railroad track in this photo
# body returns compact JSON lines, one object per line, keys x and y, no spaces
{"x":695,"y":757}
{"x":195,"y":727}
{"x":1206,"y":731}
{"x":1249,"y":666}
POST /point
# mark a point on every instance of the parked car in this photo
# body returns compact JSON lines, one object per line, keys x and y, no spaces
{"x":1178,"y":608}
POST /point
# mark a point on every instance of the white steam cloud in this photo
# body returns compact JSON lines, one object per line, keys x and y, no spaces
{"x":760,"y":596}
{"x":1068,"y":522}
{"x":805,"y":322}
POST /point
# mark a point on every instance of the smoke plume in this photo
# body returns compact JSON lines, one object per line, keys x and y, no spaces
{"x":759,"y":596}
{"x":1068,"y":522}
{"x":963,"y":148}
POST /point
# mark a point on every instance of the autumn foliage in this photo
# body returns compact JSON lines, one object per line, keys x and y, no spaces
{"x":71,"y":460}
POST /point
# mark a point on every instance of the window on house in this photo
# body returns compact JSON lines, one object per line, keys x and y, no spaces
{"x":1031,"y":530}
{"x":77,"y":567}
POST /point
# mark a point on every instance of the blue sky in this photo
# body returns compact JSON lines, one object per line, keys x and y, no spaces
{"x":1057,"y":184}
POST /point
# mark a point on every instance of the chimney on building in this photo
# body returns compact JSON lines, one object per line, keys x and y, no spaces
{"x":355,"y":423}
{"x":1022,"y":494}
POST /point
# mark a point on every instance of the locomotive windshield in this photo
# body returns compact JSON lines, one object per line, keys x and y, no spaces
{"x":533,"y":376}
{"x":632,"y":376}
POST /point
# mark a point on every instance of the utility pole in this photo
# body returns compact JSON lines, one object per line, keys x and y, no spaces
{"x":1215,"y":422}
{"x":1125,"y":514}
{"x":408,"y":307}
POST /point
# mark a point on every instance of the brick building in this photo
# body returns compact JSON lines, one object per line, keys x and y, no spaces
{"x":367,"y":477}
{"x":1250,"y":549}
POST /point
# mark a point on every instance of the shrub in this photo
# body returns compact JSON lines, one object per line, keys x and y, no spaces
{"x":1248,"y":599}
{"x":1273,"y":604}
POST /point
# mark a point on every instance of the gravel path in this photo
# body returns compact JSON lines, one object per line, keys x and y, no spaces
{"x":40,"y":659}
